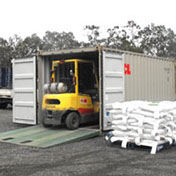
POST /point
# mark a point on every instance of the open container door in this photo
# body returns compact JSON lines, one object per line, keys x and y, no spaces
{"x":112,"y":84}
{"x":24,"y":91}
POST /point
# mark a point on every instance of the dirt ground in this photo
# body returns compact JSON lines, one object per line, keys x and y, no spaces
{"x":89,"y":157}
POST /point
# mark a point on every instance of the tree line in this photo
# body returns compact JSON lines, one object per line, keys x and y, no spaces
{"x":155,"y":40}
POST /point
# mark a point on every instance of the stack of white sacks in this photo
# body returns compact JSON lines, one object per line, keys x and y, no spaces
{"x":143,"y":123}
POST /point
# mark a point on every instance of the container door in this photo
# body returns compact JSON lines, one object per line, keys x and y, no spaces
{"x":24,"y":91}
{"x":113,"y":84}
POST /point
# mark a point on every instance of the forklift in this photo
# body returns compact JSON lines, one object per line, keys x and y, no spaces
{"x":71,"y":97}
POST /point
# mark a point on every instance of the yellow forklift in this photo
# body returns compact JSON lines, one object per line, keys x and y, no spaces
{"x":72,"y":96}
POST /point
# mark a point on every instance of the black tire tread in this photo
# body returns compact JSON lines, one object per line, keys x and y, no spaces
{"x":69,"y":119}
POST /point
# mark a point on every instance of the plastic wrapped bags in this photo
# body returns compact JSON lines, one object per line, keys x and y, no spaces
{"x":143,"y":123}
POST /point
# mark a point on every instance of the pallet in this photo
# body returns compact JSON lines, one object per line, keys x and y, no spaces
{"x":162,"y":146}
{"x":131,"y":145}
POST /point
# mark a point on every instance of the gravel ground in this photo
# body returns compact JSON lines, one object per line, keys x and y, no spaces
{"x":89,"y":157}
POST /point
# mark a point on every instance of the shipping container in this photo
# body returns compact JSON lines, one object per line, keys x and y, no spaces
{"x":6,"y":77}
{"x":122,"y":76}
{"x":151,"y":78}
{"x":5,"y":86}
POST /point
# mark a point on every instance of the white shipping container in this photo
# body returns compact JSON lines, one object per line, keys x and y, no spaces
{"x":151,"y":78}
{"x":123,"y":76}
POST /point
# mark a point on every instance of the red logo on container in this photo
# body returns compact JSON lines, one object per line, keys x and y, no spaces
{"x":127,"y":69}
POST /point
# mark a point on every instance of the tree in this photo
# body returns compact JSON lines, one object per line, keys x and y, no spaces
{"x":113,"y":40}
{"x":93,"y":34}
{"x":125,"y":38}
{"x":151,"y":40}
{"x":24,"y":48}
{"x":5,"y":58}
{"x":31,"y":44}
{"x":158,"y":41}
{"x":130,"y":37}
{"x":57,"y":41}
{"x":16,"y":47}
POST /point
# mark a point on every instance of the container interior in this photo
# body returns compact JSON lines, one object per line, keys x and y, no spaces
{"x":47,"y":66}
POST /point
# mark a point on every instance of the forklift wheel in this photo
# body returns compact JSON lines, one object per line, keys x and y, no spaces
{"x":72,"y":121}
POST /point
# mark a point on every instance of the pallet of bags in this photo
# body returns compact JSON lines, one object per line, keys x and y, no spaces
{"x":144,"y":124}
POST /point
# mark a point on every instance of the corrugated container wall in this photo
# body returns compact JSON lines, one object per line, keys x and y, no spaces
{"x":151,"y":79}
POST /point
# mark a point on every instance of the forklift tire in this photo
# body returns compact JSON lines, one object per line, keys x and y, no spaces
{"x":72,"y":121}
{"x":3,"y":105}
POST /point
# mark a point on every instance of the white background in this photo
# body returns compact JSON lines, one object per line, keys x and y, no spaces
{"x":25,"y":17}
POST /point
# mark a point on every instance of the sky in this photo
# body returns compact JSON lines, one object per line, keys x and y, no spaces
{"x":25,"y":17}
